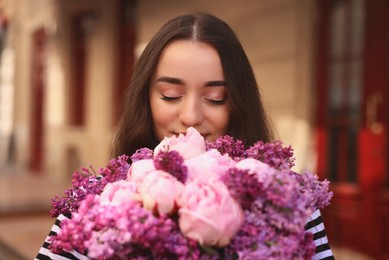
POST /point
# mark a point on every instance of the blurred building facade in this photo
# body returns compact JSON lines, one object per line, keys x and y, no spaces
{"x":71,"y":60}
{"x":322,"y":67}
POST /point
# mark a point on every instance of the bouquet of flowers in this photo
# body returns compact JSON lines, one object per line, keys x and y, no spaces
{"x":192,"y":199}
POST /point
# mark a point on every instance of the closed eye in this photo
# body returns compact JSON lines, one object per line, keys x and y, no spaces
{"x":216,"y":102}
{"x":167,"y":98}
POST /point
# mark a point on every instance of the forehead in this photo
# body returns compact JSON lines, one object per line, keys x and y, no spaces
{"x":187,"y":55}
{"x":187,"y":43}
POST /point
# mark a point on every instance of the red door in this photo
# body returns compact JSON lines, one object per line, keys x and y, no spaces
{"x":352,"y":121}
{"x":37,"y":98}
{"x":78,"y":51}
{"x":125,"y":48}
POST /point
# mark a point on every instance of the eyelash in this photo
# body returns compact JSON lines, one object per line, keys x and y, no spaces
{"x":166,"y":98}
{"x":217,"y":102}
{"x":214,"y":102}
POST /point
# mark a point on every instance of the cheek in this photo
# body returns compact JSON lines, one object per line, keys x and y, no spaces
{"x":220,"y":120}
{"x":161,"y":111}
{"x":155,"y":106}
{"x":162,"y":117}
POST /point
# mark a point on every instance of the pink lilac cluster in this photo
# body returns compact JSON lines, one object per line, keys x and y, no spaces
{"x":274,"y":222}
{"x":86,"y":181}
{"x":122,"y":231}
{"x":192,"y":199}
{"x":142,"y":154}
{"x":273,"y":154}
{"x":228,"y":145}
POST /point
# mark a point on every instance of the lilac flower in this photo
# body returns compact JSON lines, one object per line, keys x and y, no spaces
{"x":243,"y":187}
{"x":81,"y":178}
{"x":273,"y":154}
{"x":85,"y":182}
{"x":173,"y":163}
{"x":110,"y":232}
{"x":75,"y":231}
{"x":317,"y":190}
{"x":142,"y":154}
{"x":116,"y":169}
{"x":274,"y":224}
{"x":228,"y":145}
{"x":67,"y":204}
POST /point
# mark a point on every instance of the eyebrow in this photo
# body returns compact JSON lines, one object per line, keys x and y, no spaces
{"x":171,"y":80}
{"x":178,"y":81}
{"x":215,"y":83}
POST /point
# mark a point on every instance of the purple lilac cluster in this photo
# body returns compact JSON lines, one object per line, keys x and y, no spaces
{"x":228,"y":145}
{"x":276,"y":208}
{"x":105,"y":231}
{"x":116,"y":169}
{"x":274,"y":223}
{"x":87,"y":181}
{"x":314,"y":189}
{"x":173,"y":163}
{"x":242,"y":186}
{"x":273,"y":154}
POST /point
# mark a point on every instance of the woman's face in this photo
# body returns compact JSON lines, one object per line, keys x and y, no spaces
{"x":188,"y":89}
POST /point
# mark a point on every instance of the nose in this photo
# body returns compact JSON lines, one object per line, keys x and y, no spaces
{"x":191,"y":113}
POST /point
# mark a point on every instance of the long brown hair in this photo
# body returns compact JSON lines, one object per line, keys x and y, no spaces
{"x":248,"y":120}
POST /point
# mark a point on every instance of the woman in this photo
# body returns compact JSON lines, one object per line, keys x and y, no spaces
{"x":247,"y":120}
{"x":194,"y":73}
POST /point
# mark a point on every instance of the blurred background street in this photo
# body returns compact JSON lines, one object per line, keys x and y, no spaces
{"x":24,"y":212}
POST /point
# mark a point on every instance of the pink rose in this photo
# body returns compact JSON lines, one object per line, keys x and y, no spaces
{"x":209,"y":214}
{"x":254,"y":167}
{"x":119,"y":192}
{"x":139,"y":169}
{"x":208,"y":165}
{"x":189,"y":145}
{"x":160,"y":191}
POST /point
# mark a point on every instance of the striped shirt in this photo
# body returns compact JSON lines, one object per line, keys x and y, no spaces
{"x":314,"y":225}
